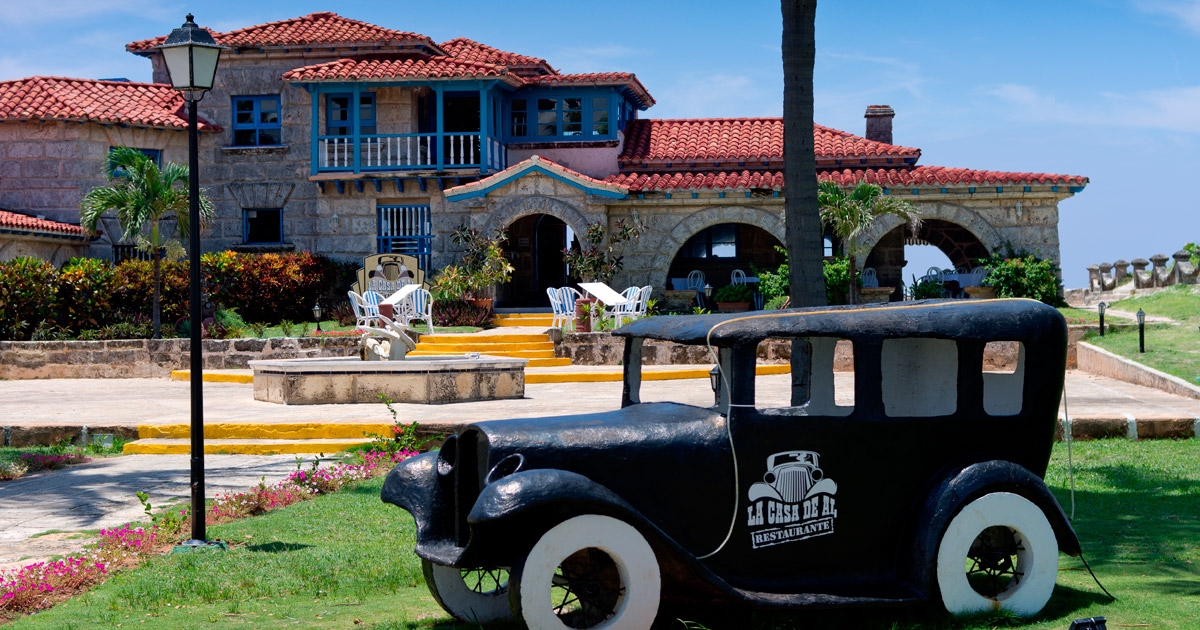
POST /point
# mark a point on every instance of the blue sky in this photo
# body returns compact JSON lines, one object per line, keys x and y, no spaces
{"x":1108,"y":89}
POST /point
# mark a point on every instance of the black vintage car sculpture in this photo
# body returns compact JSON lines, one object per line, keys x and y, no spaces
{"x":928,"y":487}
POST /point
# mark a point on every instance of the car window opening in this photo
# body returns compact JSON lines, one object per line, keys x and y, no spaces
{"x":823,"y":386}
{"x":920,"y":377}
{"x":1003,"y":377}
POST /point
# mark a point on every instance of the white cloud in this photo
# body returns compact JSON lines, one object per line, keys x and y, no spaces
{"x":1170,"y":109}
{"x":1186,"y":11}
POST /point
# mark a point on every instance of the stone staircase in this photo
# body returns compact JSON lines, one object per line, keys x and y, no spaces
{"x":536,"y":347}
{"x":509,"y":320}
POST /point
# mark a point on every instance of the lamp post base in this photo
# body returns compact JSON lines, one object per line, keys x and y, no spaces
{"x":189,"y":546}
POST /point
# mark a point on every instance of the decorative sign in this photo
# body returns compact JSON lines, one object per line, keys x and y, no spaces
{"x":794,"y":501}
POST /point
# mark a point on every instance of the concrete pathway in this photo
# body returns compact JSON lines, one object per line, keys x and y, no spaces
{"x":101,"y":494}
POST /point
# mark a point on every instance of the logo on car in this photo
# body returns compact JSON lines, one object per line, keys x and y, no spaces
{"x":794,"y":501}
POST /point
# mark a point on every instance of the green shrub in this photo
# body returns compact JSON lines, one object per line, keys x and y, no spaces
{"x":773,"y":284}
{"x":776,"y":303}
{"x":28,"y":296}
{"x":837,"y":277}
{"x":460,"y":313}
{"x":265,"y":287}
{"x":1021,"y":274}
{"x":133,"y":290}
{"x":927,"y":289}
{"x":85,"y":287}
{"x":734,"y":293}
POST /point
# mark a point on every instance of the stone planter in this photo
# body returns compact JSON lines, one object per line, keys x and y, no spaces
{"x":733,"y":307}
{"x":583,"y":319}
{"x":875,"y":295}
{"x":981,"y":293}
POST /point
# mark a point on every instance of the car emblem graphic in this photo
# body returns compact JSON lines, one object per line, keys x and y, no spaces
{"x":794,"y":501}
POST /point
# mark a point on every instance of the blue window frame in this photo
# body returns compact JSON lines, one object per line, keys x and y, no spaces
{"x":262,"y":225}
{"x":256,"y":121}
{"x":557,"y":116}
{"x":340,"y":117}
{"x":406,"y":229}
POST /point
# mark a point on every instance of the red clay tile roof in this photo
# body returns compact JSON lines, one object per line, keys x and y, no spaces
{"x":13,"y":221}
{"x":398,"y":67}
{"x":103,"y":102}
{"x":723,"y":140}
{"x":625,"y":79}
{"x":314,"y":29}
{"x":471,"y":50}
{"x":913,"y":177}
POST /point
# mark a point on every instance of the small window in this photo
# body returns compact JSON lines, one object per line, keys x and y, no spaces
{"x":600,"y":116}
{"x":262,"y":225}
{"x":718,"y":241}
{"x":1003,"y":377}
{"x":547,"y":117}
{"x":520,"y":119}
{"x":256,"y":121}
{"x":823,"y":387}
{"x":920,"y":377}
{"x":572,"y":116}
{"x":339,"y":120}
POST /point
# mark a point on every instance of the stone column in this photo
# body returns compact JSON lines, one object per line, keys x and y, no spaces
{"x":1094,"y":278}
{"x":1185,"y":273}
{"x":1161,"y":276}
{"x":1141,"y":277}
{"x":1106,"y":279}
{"x":1121,"y":269}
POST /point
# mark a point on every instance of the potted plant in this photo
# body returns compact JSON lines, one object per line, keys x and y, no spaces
{"x":733,"y":297}
{"x":595,"y":262}
{"x":483,"y":266}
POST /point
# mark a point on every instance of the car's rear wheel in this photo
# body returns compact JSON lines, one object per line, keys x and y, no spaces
{"x":472,"y":595}
{"x":591,"y":572}
{"x":999,"y":552}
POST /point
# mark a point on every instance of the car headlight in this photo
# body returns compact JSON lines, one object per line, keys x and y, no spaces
{"x":505,"y":467}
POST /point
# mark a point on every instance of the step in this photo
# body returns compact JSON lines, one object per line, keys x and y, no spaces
{"x":485,"y":338}
{"x":516,"y":354}
{"x":485,"y":348}
{"x":547,"y":362}
{"x":547,"y":322}
{"x":174,"y":446}
{"x":281,"y":431}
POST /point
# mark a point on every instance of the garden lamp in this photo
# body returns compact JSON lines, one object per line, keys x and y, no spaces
{"x":714,"y":379}
{"x":1141,"y":317}
{"x":1101,"y":306}
{"x":317,"y":315}
{"x":707,"y":290}
{"x":191,"y":54}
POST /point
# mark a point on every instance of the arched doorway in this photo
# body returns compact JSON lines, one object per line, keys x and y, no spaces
{"x":535,"y":248}
{"x":719,"y":249}
{"x":959,"y":245}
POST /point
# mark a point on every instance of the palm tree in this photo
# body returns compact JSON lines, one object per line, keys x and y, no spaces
{"x":802,"y":218}
{"x":848,"y":215}
{"x":142,"y":197}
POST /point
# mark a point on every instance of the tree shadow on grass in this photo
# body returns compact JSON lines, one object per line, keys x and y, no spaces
{"x":276,"y":547}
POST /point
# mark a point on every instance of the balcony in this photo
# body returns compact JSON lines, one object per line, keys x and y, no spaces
{"x":408,"y":152}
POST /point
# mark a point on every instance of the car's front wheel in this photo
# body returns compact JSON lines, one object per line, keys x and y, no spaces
{"x":589,"y":571}
{"x":999,"y":552}
{"x":470,"y":595}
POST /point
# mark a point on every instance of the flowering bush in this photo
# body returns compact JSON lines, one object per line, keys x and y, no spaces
{"x":39,"y":585}
{"x":52,"y":461}
{"x":28,"y":296}
{"x":12,"y":470}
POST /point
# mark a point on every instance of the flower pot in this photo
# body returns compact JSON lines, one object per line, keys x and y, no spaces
{"x":733,"y":307}
{"x":583,"y":319}
{"x":875,"y":295}
{"x":481,"y":303}
{"x":981,"y":293}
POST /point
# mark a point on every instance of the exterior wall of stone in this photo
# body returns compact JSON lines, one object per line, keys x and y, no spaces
{"x":57,"y":251}
{"x":149,"y":358}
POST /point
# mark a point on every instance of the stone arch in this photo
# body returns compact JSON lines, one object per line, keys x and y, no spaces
{"x":967,"y":219}
{"x":668,"y":247}
{"x":503,"y":216}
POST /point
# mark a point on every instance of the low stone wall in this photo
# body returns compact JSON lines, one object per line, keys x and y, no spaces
{"x":149,"y":358}
{"x":1104,"y":363}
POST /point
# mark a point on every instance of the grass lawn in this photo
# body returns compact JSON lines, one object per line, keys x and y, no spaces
{"x":1079,"y":315}
{"x":1174,"y":349}
{"x":346,"y":560}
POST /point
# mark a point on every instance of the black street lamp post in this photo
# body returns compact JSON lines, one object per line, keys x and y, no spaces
{"x":191,"y":55}
{"x":1141,"y":317}
{"x":317,"y":315}
{"x":1101,"y":306}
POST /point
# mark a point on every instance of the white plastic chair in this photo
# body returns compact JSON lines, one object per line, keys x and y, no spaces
{"x":417,"y":305}
{"x":737,"y":277}
{"x":558,"y":306}
{"x":365,"y":313}
{"x":626,"y":309}
{"x":868,"y":278}
{"x":977,"y":276}
{"x":695,"y":280}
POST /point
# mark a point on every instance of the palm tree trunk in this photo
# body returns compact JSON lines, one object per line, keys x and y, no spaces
{"x":155,"y":309}
{"x":801,"y":212}
{"x":853,"y":285}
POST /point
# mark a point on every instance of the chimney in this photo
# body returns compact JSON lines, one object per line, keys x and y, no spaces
{"x":879,"y":123}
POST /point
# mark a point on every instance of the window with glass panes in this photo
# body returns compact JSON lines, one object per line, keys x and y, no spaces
{"x":262,"y":225}
{"x":256,"y":121}
{"x":718,"y":241}
{"x":582,"y":117}
{"x":339,"y":117}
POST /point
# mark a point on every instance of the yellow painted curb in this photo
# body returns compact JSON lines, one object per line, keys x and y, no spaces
{"x":484,"y":338}
{"x":212,"y":377}
{"x":659,"y":375}
{"x":298,"y":448}
{"x":284,"y":431}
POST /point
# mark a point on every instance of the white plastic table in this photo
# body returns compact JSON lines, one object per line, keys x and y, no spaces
{"x":603,"y":292}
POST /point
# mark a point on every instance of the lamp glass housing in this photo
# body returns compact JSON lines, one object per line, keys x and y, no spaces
{"x":1101,"y":306}
{"x":191,"y":55}
{"x":1141,"y":317}
{"x":316,"y":311}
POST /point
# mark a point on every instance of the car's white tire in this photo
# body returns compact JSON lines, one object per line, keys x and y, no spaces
{"x":1036,"y":566}
{"x":608,"y":562}
{"x":464,"y":597}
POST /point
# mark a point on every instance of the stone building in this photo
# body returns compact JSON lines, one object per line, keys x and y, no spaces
{"x":349,"y":139}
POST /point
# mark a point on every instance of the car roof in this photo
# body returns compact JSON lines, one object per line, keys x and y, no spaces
{"x":986,"y":320}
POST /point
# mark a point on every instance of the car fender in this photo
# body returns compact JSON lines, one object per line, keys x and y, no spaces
{"x":520,"y":493}
{"x":413,"y":486}
{"x":962,"y":486}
